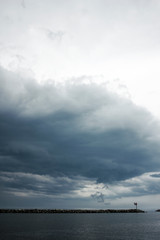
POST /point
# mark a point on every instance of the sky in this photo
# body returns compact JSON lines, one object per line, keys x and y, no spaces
{"x":79,"y":104}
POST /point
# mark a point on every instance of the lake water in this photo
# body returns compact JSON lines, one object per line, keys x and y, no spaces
{"x":112,"y":226}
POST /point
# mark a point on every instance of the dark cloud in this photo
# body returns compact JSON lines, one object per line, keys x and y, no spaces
{"x":49,"y":145}
{"x":155,"y":175}
{"x":69,"y":131}
{"x":25,"y":184}
{"x":98,"y":196}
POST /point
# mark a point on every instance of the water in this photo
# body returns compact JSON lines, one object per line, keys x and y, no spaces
{"x":115,"y":226}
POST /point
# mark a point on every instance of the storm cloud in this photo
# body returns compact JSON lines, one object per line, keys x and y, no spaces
{"x":54,"y":138}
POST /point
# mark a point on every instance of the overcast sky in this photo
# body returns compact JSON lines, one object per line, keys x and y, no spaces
{"x":79,"y":103}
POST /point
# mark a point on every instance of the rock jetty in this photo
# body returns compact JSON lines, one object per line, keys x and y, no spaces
{"x":70,"y":211}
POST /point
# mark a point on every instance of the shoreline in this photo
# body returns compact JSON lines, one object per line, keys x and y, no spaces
{"x":53,"y":211}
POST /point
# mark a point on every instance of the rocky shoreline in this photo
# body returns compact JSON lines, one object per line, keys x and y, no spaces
{"x":70,"y":211}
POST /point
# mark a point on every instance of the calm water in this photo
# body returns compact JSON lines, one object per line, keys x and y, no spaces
{"x":129,"y":226}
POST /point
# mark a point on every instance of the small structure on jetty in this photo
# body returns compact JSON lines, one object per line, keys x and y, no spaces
{"x":135,"y":203}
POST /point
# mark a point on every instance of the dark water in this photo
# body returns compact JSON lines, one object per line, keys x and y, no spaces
{"x":130,"y":226}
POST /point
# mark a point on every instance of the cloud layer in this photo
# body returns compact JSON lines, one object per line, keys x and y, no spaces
{"x":56,"y":137}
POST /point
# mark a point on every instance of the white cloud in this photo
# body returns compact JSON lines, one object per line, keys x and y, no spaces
{"x":118,"y":39}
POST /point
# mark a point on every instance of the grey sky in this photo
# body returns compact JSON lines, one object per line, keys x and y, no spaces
{"x":79,"y":126}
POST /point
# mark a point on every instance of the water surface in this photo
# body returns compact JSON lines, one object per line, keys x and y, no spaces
{"x":111,"y":226}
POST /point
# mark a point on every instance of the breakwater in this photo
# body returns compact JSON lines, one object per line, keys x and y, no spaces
{"x":71,"y":211}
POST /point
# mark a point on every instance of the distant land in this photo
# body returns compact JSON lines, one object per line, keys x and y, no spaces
{"x":71,"y":211}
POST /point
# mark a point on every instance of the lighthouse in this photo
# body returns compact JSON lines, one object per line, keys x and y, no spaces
{"x":135,"y":203}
